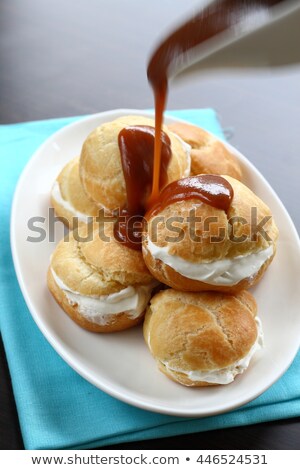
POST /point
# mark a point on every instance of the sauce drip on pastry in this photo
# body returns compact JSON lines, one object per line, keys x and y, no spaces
{"x":210,"y":189}
{"x":173,"y":54}
{"x":136,"y":144}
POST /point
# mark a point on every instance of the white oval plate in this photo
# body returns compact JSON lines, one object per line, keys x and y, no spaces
{"x":120,"y":363}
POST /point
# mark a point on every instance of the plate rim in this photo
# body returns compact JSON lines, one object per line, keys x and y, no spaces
{"x":60,"y":349}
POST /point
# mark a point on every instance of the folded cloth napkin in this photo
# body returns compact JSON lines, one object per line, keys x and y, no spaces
{"x":57,"y":408}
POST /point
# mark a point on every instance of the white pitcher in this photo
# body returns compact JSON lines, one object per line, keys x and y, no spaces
{"x":268,"y":37}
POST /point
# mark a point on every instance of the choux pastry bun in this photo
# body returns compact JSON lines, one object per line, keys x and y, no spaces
{"x":208,"y":154}
{"x":192,"y":246}
{"x":101,"y":167}
{"x":102,"y":285}
{"x":200,"y":339}
{"x":69,"y":199}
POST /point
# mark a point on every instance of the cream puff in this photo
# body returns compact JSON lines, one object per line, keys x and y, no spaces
{"x":208,"y":154}
{"x":101,"y":169}
{"x":69,"y":199}
{"x":191,"y":245}
{"x":200,"y":339}
{"x":100,"y":283}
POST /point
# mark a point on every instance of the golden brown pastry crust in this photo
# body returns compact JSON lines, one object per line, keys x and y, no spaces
{"x":98,"y":267}
{"x":208,"y":154}
{"x":72,"y":191}
{"x":203,"y":331}
{"x":94,"y":268}
{"x":100,"y":162}
{"x":119,"y":321}
{"x":196,"y":251}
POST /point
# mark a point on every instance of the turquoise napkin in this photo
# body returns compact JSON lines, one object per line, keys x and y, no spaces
{"x":57,"y":408}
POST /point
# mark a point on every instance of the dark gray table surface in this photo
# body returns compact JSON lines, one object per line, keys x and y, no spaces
{"x":63,"y":58}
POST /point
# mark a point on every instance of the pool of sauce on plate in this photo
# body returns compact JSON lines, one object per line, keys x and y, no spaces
{"x":167,"y":59}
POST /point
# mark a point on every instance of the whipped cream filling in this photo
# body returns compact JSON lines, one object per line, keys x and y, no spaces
{"x":227,"y":374}
{"x":101,"y":309}
{"x":224,"y":272}
{"x":187,"y":148}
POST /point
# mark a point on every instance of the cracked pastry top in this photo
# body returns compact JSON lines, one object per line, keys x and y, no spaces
{"x":102,"y":285}
{"x":101,"y":168}
{"x":192,"y":246}
{"x":200,"y":339}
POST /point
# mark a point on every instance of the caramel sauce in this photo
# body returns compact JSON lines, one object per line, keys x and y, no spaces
{"x":128,"y":229}
{"x":136,"y":144}
{"x":210,"y":189}
{"x":173,"y":53}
